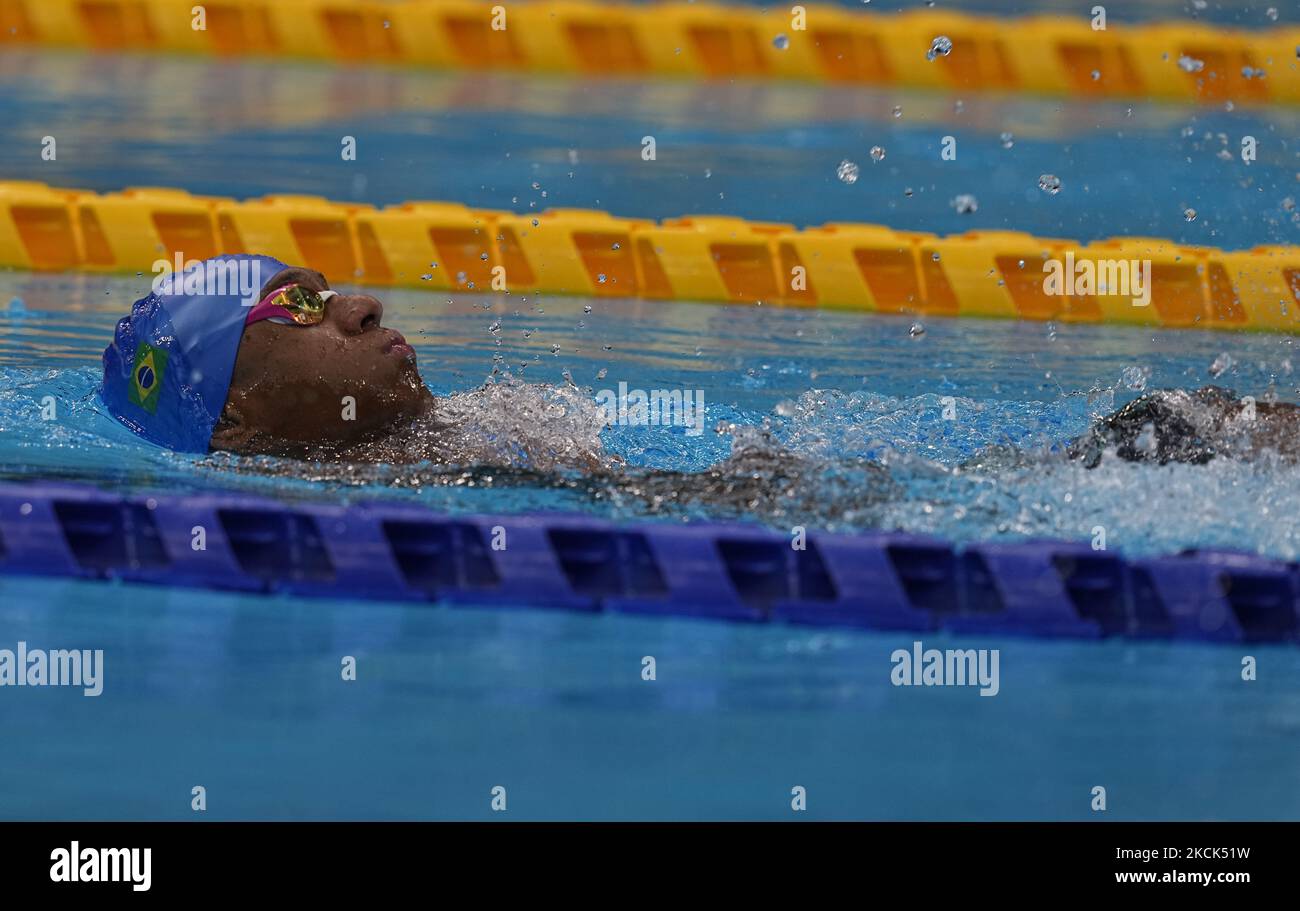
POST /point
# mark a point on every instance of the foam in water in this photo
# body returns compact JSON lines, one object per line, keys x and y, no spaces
{"x":824,"y":459}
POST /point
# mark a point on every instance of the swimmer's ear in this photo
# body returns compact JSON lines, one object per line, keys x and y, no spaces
{"x":232,"y":433}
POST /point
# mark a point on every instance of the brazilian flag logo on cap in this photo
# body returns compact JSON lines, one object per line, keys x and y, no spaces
{"x":147,"y":376}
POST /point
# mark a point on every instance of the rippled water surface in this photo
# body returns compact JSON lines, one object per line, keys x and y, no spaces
{"x":829,"y":386}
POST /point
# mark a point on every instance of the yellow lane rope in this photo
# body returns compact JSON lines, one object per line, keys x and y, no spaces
{"x":1044,"y":54}
{"x":448,"y":247}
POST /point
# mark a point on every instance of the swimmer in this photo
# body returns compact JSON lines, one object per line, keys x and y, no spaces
{"x":306,"y":373}
{"x":312,"y":374}
{"x":1174,"y":425}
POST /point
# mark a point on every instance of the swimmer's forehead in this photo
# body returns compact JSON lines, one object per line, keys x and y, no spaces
{"x":296,"y":275}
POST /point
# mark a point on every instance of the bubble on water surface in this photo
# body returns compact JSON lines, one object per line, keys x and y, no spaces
{"x":877,"y":153}
{"x":941,"y":46}
{"x":965,"y":204}
{"x":1050,"y":184}
{"x":847,"y":172}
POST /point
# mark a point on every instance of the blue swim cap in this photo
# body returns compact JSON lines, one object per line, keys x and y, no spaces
{"x":167,"y":372}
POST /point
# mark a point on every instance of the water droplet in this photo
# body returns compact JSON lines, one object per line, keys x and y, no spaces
{"x":1190,"y":64}
{"x":1007,"y":140}
{"x":965,"y":203}
{"x":898,"y":112}
{"x":1135,"y":378}
{"x":847,"y":172}
{"x":1223,"y":363}
{"x":1096,"y":75}
{"x":1050,"y":184}
{"x":780,"y":42}
{"x":877,"y":153}
{"x":916,"y":331}
{"x":1189,"y":214}
{"x":939,"y":47}
{"x":1271,"y":12}
{"x":907,"y":191}
{"x":601,"y":278}
{"x":616,"y":246}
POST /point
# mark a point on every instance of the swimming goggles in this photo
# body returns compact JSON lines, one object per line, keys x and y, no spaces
{"x":291,"y":304}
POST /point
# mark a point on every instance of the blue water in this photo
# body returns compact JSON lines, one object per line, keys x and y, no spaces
{"x":828,"y":385}
{"x":242,"y":694}
{"x":761,"y":150}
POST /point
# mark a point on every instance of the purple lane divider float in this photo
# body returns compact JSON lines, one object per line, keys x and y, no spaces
{"x":876,"y":580}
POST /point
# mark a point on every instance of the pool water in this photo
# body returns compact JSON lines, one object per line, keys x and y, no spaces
{"x":829,"y":386}
{"x":242,"y":694}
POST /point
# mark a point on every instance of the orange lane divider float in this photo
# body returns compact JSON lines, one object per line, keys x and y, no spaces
{"x":1188,"y":61}
{"x":449,"y":247}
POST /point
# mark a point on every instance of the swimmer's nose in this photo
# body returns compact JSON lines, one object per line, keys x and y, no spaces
{"x":356,"y":313}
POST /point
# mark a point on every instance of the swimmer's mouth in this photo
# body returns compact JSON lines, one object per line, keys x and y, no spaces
{"x":398,"y":346}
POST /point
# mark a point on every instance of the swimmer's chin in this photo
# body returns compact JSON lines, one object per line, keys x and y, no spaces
{"x":365,"y":444}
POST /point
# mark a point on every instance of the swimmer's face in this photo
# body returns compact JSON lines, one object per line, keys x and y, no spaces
{"x":291,"y":383}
